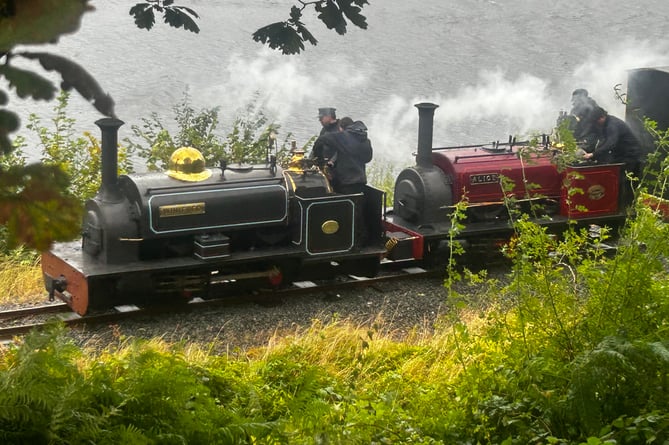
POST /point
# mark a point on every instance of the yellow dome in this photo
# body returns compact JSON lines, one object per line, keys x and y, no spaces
{"x":187,"y":164}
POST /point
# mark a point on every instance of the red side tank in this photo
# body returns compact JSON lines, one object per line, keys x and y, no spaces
{"x":477,"y":171}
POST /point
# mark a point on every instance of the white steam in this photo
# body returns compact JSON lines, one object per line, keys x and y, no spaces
{"x":492,"y":107}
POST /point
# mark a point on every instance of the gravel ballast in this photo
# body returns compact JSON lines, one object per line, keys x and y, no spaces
{"x":399,"y":306}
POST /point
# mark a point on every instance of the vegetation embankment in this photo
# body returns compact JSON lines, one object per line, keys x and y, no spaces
{"x":573,"y":349}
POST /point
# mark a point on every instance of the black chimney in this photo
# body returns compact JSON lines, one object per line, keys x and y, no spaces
{"x":425,"y":124}
{"x":109,"y":188}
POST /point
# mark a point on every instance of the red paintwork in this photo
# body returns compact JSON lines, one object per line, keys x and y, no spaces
{"x":417,"y":242}
{"x":473,"y":171}
{"x":77,"y":284}
{"x":599,"y":185}
{"x":464,"y":163}
{"x":657,"y":204}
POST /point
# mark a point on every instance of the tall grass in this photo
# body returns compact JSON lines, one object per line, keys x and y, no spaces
{"x":20,"y":279}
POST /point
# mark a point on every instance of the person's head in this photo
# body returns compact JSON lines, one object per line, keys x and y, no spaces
{"x":599,"y":115}
{"x":579,"y":95}
{"x":344,"y":122}
{"x":580,"y":92}
{"x":327,"y":116}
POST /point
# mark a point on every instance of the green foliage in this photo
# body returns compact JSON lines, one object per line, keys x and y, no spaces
{"x":142,"y":394}
{"x":574,"y":348}
{"x":78,"y":156}
{"x":43,"y":202}
{"x":655,"y":178}
{"x":382,"y":176}
{"x":43,"y":392}
{"x":246,"y":142}
{"x":33,"y":210}
{"x":32,"y":22}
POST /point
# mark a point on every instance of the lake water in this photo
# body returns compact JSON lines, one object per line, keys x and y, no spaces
{"x":495,"y":67}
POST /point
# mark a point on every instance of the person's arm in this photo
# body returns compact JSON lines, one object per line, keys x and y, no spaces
{"x":365,"y":152}
{"x":612,"y":138}
{"x":320,"y":149}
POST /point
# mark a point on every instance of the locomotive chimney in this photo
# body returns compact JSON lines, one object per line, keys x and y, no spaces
{"x":109,"y":188}
{"x":425,"y":125}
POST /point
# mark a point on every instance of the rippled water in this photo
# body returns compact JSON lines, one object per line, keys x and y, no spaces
{"x":494,"y":67}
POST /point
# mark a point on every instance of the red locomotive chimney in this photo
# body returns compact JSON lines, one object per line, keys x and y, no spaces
{"x":425,"y":125}
{"x":109,"y":188}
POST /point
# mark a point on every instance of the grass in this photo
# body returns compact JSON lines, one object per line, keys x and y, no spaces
{"x":21,"y":281}
{"x":494,"y":370}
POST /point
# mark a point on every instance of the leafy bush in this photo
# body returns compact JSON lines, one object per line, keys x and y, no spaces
{"x":78,"y":156}
{"x":247,"y":141}
{"x":76,"y":165}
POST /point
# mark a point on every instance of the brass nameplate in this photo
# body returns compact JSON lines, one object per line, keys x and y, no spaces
{"x":195,"y":208}
{"x":485,"y":178}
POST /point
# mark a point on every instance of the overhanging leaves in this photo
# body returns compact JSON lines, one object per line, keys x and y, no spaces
{"x":28,"y":84}
{"x":289,"y":36}
{"x":144,"y":17}
{"x":74,"y":75}
{"x":178,"y":16}
{"x":9,"y":122}
{"x":332,"y":16}
{"x":40,"y":21}
{"x":351,"y":9}
{"x":280,"y":36}
{"x":33,"y":207}
{"x":175,"y":16}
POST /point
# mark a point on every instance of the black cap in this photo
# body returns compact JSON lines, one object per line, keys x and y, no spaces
{"x":327,"y":112}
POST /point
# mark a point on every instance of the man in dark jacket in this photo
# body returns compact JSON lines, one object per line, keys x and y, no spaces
{"x":617,"y":142}
{"x":330,"y":124}
{"x":347,"y":153}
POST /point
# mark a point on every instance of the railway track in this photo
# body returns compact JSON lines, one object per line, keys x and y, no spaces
{"x":17,"y":322}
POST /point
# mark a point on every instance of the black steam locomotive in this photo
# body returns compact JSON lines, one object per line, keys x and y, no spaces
{"x":192,"y":232}
{"x":195,"y":232}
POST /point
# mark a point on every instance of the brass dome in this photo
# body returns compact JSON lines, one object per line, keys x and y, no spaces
{"x":187,"y":164}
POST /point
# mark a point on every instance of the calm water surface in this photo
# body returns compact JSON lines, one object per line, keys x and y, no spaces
{"x":495,"y":67}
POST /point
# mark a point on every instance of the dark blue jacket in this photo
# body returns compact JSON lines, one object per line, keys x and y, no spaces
{"x":353,"y":151}
{"x":346,"y":152}
{"x":618,"y":144}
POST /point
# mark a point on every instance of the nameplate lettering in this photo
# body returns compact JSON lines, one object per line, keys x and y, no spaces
{"x":194,"y":208}
{"x":484,"y":178}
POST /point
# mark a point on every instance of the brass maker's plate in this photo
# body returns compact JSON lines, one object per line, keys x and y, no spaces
{"x":195,"y":208}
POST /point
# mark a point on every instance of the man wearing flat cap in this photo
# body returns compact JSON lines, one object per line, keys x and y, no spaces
{"x":328,"y":119}
{"x":330,"y":123}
